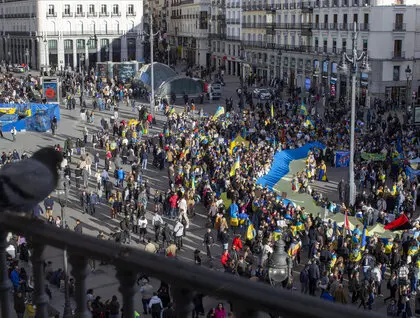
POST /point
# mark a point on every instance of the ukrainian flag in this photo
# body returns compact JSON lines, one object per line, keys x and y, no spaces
{"x":303,"y":110}
{"x":219,"y":112}
{"x":236,"y":165}
{"x":172,"y":110}
{"x":309,"y":122}
{"x":294,"y":248}
{"x":233,"y":144}
{"x":272,"y":111}
{"x":364,"y":235}
{"x":300,"y":226}
{"x":193,"y":182}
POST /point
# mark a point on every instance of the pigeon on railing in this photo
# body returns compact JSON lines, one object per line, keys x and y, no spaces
{"x":25,"y":183}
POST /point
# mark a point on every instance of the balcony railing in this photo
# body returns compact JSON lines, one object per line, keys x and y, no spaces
{"x":364,"y":26}
{"x":307,"y":7}
{"x":92,"y":14}
{"x":333,"y":26}
{"x":116,"y":14}
{"x":233,"y":37}
{"x":131,"y":14}
{"x":249,"y":298}
{"x":68,"y":15}
{"x":399,"y":27}
{"x":398,"y":55}
{"x":80,"y":14}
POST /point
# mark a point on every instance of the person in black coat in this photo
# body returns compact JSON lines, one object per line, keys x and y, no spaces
{"x":19,"y":304}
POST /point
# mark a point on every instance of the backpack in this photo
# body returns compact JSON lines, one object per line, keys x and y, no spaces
{"x":156,"y":308}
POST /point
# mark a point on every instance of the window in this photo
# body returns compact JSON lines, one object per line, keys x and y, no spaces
{"x":399,"y":19}
{"x":67,"y":9}
{"x":91,"y":45}
{"x":115,"y":9}
{"x":365,"y":44}
{"x":355,"y":17}
{"x":396,"y":73}
{"x":51,"y":10}
{"x":325,"y":46}
{"x":91,"y":9}
{"x":343,"y":45}
{"x":334,"y":46}
{"x":316,"y":43}
{"x":68,"y":44}
{"x":345,"y":18}
{"x":326,"y":18}
{"x":79,"y":9}
{"x":80,"y":44}
{"x":52,"y":44}
{"x":366,"y":18}
{"x":335,"y":18}
{"x":130,"y":9}
{"x":397,"y":48}
{"x":103,"y":9}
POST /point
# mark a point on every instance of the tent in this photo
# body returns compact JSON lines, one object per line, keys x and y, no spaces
{"x":382,"y":233}
{"x":339,"y":219}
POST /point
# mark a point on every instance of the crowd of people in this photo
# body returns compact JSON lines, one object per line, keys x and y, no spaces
{"x":206,"y":166}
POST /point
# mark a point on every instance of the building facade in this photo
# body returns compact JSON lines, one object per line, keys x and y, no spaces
{"x":188,"y":30}
{"x":70,"y":33}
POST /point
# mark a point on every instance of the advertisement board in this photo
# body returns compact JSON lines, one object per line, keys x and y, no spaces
{"x":50,"y":89}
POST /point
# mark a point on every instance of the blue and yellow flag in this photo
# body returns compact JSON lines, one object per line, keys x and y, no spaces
{"x":303,"y":110}
{"x":364,"y":235}
{"x":193,"y":182}
{"x":232,"y":146}
{"x":236,"y":165}
{"x":272,"y":111}
{"x":219,"y":112}
{"x":309,"y":122}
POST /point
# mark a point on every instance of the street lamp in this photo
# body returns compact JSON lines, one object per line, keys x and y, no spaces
{"x":152,"y":73}
{"x":27,"y":56}
{"x":279,"y":264}
{"x":409,"y":75}
{"x":81,"y":66}
{"x":168,"y":49}
{"x":353,"y":61}
{"x":62,"y":200}
{"x":242,"y":77}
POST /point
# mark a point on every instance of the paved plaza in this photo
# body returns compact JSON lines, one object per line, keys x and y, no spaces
{"x":103,"y":280}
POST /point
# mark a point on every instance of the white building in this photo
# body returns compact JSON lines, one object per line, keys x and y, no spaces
{"x":58,"y":33}
{"x":188,"y":30}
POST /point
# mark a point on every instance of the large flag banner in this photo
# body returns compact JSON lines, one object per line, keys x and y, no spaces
{"x":402,"y":223}
{"x":342,"y":159}
{"x":411,"y":173}
{"x":236,"y":165}
{"x":373,"y":156}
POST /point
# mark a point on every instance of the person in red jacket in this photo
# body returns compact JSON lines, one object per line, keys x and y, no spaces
{"x":150,"y":119}
{"x":173,"y":202}
{"x":237,"y":242}
{"x":225,"y":259}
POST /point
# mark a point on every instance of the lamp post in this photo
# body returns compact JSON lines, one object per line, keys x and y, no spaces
{"x":152,"y":73}
{"x":168,"y":49}
{"x":62,"y":200}
{"x":409,"y":76}
{"x":242,"y":78}
{"x":353,"y":62}
{"x":27,"y":56}
{"x":81,"y":66}
{"x":8,"y":46}
{"x":45,"y":50}
{"x":279,"y":264}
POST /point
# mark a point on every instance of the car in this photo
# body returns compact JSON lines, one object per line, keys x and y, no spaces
{"x":264,"y":94}
{"x":19,"y":69}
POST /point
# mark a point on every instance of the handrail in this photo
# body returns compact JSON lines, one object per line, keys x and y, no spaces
{"x":251,"y":295}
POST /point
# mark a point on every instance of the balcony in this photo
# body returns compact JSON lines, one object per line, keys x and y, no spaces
{"x":92,"y":14}
{"x":344,"y":26}
{"x":248,"y":297}
{"x":80,"y":14}
{"x":233,"y":38}
{"x":68,"y":14}
{"x":131,"y":14}
{"x":399,"y":27}
{"x":325,"y":4}
{"x":363,"y":27}
{"x":232,"y":21}
{"x":334,"y":26}
{"x":52,"y":15}
{"x":307,"y":7}
{"x":398,"y":55}
{"x":116,"y":14}
{"x":323,"y":26}
{"x":103,"y":14}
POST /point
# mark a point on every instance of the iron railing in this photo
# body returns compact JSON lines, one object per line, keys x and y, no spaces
{"x":249,"y":298}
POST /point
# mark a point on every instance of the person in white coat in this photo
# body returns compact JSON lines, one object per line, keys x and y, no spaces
{"x":142,"y":228}
{"x":178,"y":233}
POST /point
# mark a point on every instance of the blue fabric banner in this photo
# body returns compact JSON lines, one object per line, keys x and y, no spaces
{"x":342,"y":159}
{"x":411,"y":173}
{"x":281,"y":162}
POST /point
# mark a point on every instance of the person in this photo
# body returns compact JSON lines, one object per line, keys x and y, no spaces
{"x":178,"y":233}
{"x":157,"y":222}
{"x":304,"y":280}
{"x":19,"y":304}
{"x":313,"y":276}
{"x":142,"y":228}
{"x":114,"y":308}
{"x":78,"y":228}
{"x":13,"y":133}
{"x":208,"y":241}
{"x":155,"y":306}
{"x":169,"y":312}
{"x":150,"y":247}
{"x":146,"y":295}
{"x":220,"y":311}
{"x":48,"y":205}
{"x":171,"y":249}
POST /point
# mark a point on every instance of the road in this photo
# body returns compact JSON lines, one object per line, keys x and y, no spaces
{"x":103,"y":280}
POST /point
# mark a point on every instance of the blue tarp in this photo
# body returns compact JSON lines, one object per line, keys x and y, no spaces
{"x":281,"y":162}
{"x":39,"y":121}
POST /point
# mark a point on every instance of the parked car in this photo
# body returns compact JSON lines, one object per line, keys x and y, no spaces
{"x":19,"y":69}
{"x":264,"y":94}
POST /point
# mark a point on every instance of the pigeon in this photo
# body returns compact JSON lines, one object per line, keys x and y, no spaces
{"x":24,"y":184}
